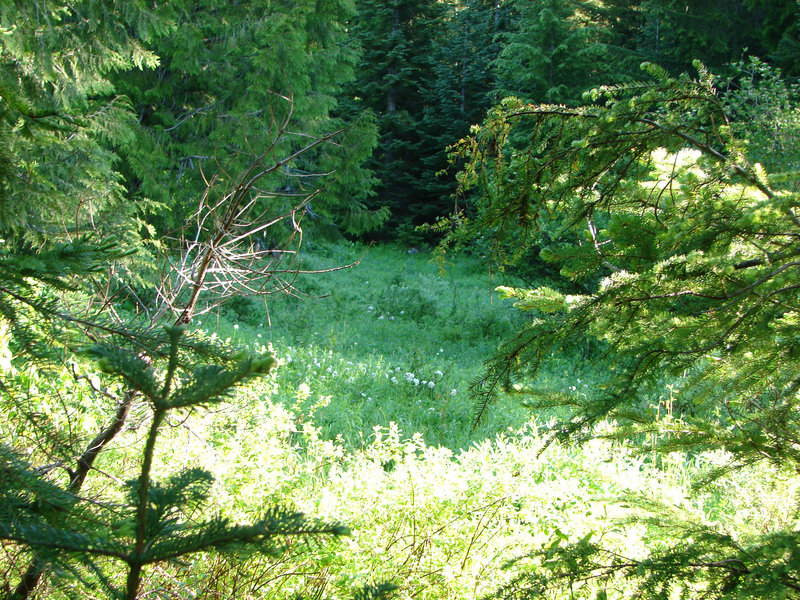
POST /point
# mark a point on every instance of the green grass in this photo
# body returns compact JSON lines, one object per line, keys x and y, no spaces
{"x":368,"y":420}
{"x":374,"y":426}
{"x":393,"y":339}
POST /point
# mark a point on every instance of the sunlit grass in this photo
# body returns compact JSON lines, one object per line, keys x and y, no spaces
{"x":369,"y":419}
{"x":394,"y":339}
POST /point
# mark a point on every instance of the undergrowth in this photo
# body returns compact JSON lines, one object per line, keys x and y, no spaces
{"x":367,"y":420}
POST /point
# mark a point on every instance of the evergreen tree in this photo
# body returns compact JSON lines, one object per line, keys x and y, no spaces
{"x":689,"y":256}
{"x":395,"y":79}
{"x":63,"y":124}
{"x":674,"y":33}
{"x":459,"y":95}
{"x":553,"y":52}
{"x":230,"y":75}
{"x":779,"y":29}
{"x":106,"y":546}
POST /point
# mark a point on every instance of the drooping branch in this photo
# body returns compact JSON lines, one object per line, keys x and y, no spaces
{"x":746,"y":172}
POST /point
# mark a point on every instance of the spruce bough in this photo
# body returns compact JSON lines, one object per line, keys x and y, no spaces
{"x":156,"y":522}
{"x":683,"y":261}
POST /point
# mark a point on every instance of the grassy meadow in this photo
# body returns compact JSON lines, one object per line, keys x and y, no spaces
{"x":368,"y":421}
{"x":394,"y":339}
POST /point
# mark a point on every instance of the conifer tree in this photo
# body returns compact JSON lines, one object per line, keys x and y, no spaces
{"x":229,"y":75}
{"x":107,"y":546}
{"x":395,"y":80}
{"x":674,"y":33}
{"x":688,"y":253}
{"x":552,"y":52}
{"x":459,"y":95}
{"x":62,"y":122}
{"x":779,"y":33}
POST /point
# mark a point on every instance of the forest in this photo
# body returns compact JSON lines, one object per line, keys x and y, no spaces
{"x":400,"y":299}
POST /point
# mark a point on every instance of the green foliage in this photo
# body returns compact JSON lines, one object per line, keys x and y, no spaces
{"x":460,"y":524}
{"x":235,"y":80}
{"x":425,"y":76}
{"x":63,"y":124}
{"x":70,"y":142}
{"x":159,"y":521}
{"x":456,"y":513}
{"x":458,"y":93}
{"x":228,"y":123}
{"x":32,"y":284}
{"x":430,"y":70}
{"x":674,"y":33}
{"x":553,"y":53}
{"x":763,"y":107}
{"x":698,"y":257}
{"x":399,"y":41}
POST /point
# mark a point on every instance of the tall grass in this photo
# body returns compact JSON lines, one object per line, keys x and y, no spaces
{"x":375,"y":427}
{"x":393,"y":339}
